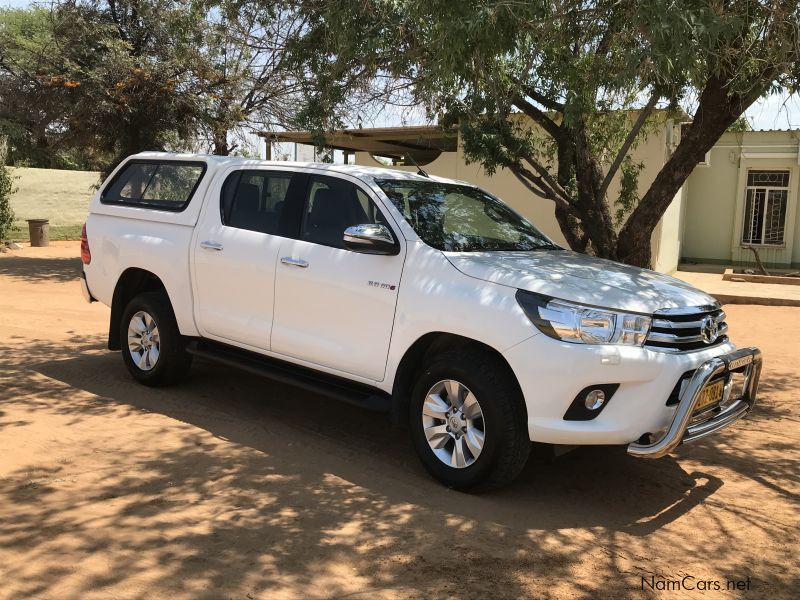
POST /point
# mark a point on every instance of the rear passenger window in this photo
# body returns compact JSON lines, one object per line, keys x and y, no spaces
{"x":254,"y":200}
{"x":165,"y":185}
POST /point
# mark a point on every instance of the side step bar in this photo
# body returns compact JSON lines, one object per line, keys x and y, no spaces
{"x":363,"y":396}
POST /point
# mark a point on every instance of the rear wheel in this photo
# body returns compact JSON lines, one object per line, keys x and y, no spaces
{"x":468,"y":421}
{"x":152,"y":346}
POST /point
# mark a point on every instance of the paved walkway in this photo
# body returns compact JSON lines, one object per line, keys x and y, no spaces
{"x":742,"y":292}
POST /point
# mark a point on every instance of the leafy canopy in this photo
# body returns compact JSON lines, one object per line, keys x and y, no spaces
{"x":586,"y":75}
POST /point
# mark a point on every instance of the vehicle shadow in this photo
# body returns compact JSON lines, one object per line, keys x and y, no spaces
{"x":32,"y":269}
{"x":289,"y":485}
{"x":595,"y":482}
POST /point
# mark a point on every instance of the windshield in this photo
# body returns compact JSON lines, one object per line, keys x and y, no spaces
{"x":461,"y":218}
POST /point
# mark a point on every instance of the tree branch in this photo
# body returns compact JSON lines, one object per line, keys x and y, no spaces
{"x":525,"y":179}
{"x":538,"y":116}
{"x":540,"y":187}
{"x":537,"y":96}
{"x":549,"y":180}
{"x":623,"y":151}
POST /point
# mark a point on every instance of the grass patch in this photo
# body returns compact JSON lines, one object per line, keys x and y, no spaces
{"x":60,"y":196}
{"x":59,"y":232}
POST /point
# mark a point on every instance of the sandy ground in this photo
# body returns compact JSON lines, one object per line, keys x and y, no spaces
{"x":229,"y":486}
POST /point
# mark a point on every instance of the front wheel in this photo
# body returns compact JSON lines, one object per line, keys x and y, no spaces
{"x":152,"y":346}
{"x":468,"y":421}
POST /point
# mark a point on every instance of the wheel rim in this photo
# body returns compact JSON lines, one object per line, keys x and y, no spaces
{"x":452,"y":420}
{"x":144,"y":343}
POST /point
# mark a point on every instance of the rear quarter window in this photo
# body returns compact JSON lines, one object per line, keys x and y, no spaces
{"x":161,"y":185}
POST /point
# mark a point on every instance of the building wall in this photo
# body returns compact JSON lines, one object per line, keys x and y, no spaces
{"x":666,"y":240}
{"x":540,"y":211}
{"x":715,"y":199}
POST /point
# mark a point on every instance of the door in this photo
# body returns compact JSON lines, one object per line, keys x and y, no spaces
{"x":235,"y":253}
{"x":335,"y":307}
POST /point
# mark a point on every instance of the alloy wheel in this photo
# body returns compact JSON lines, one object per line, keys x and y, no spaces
{"x":452,"y":420}
{"x":144,"y":342}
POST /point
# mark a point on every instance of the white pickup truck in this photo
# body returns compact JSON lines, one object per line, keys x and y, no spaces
{"x":426,"y":298}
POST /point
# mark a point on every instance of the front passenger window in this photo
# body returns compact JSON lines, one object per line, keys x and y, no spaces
{"x":254,"y":200}
{"x":332,"y":205}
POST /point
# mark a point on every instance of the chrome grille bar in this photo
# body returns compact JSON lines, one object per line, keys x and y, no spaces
{"x":673,"y":338}
{"x":681,"y":329}
{"x":665,"y":324}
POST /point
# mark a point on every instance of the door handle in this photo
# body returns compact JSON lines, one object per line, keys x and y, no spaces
{"x":294,"y":262}
{"x":209,"y":245}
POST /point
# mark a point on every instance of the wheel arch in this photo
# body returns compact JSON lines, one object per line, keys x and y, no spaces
{"x":131,"y":282}
{"x":416,"y":356}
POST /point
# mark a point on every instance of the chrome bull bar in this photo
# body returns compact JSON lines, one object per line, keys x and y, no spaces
{"x":680,"y":431}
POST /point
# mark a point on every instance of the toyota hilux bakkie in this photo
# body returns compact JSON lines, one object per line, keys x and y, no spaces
{"x":426,"y":298}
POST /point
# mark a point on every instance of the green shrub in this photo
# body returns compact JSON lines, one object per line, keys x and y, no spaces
{"x":6,"y":212}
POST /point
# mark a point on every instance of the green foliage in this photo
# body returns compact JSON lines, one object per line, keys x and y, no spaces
{"x":6,"y":212}
{"x":107,"y":79}
{"x":741,"y":124}
{"x":628,"y":196}
{"x":89,"y":81}
{"x":580,"y":72}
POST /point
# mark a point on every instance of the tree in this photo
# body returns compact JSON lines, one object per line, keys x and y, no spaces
{"x":589,"y":76}
{"x":28,"y":108}
{"x":101,"y":79}
{"x":6,"y":189}
{"x":126,"y":68}
{"x":109,"y":78}
{"x":241,"y":68}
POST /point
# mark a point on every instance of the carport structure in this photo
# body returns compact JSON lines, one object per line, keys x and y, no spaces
{"x":424,"y":143}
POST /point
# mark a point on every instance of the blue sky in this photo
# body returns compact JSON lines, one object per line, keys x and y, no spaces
{"x":776,"y":112}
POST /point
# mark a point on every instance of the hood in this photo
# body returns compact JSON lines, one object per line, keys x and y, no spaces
{"x":580,"y":278}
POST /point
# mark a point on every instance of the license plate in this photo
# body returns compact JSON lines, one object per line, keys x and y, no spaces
{"x":711,"y":394}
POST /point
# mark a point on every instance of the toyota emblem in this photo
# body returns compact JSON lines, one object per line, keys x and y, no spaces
{"x":709,"y":329}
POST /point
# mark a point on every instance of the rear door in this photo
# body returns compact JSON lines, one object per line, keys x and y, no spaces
{"x":335,"y":307}
{"x":235,"y":252}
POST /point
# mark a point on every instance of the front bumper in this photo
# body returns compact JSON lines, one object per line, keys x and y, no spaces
{"x":683,"y":429}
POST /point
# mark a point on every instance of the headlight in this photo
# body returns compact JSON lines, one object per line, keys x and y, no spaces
{"x":580,"y":324}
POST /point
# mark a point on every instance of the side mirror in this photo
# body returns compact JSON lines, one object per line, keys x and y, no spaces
{"x":370,"y":239}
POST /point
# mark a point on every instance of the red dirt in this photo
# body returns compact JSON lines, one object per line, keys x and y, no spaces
{"x":229,"y":486}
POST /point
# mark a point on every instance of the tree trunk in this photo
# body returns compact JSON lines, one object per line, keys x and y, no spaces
{"x":221,"y":147}
{"x":589,"y":221}
{"x":571,"y":228}
{"x":586,"y":220}
{"x":716,"y":111}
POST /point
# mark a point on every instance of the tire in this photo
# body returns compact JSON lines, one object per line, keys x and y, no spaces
{"x":503,"y":423}
{"x":170,"y":363}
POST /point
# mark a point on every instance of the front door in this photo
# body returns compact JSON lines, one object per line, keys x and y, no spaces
{"x":335,"y":307}
{"x":235,"y":253}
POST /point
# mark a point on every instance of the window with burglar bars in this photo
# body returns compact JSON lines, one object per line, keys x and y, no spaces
{"x":766,"y":197}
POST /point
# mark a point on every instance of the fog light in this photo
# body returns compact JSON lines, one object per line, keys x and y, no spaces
{"x":590,"y":402}
{"x":595,"y":399}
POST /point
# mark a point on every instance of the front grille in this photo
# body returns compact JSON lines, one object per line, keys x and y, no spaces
{"x":684,"y":330}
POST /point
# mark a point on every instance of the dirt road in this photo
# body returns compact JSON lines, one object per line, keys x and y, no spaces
{"x":229,"y":486}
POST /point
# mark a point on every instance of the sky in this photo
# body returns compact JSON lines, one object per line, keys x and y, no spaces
{"x":775,"y":112}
